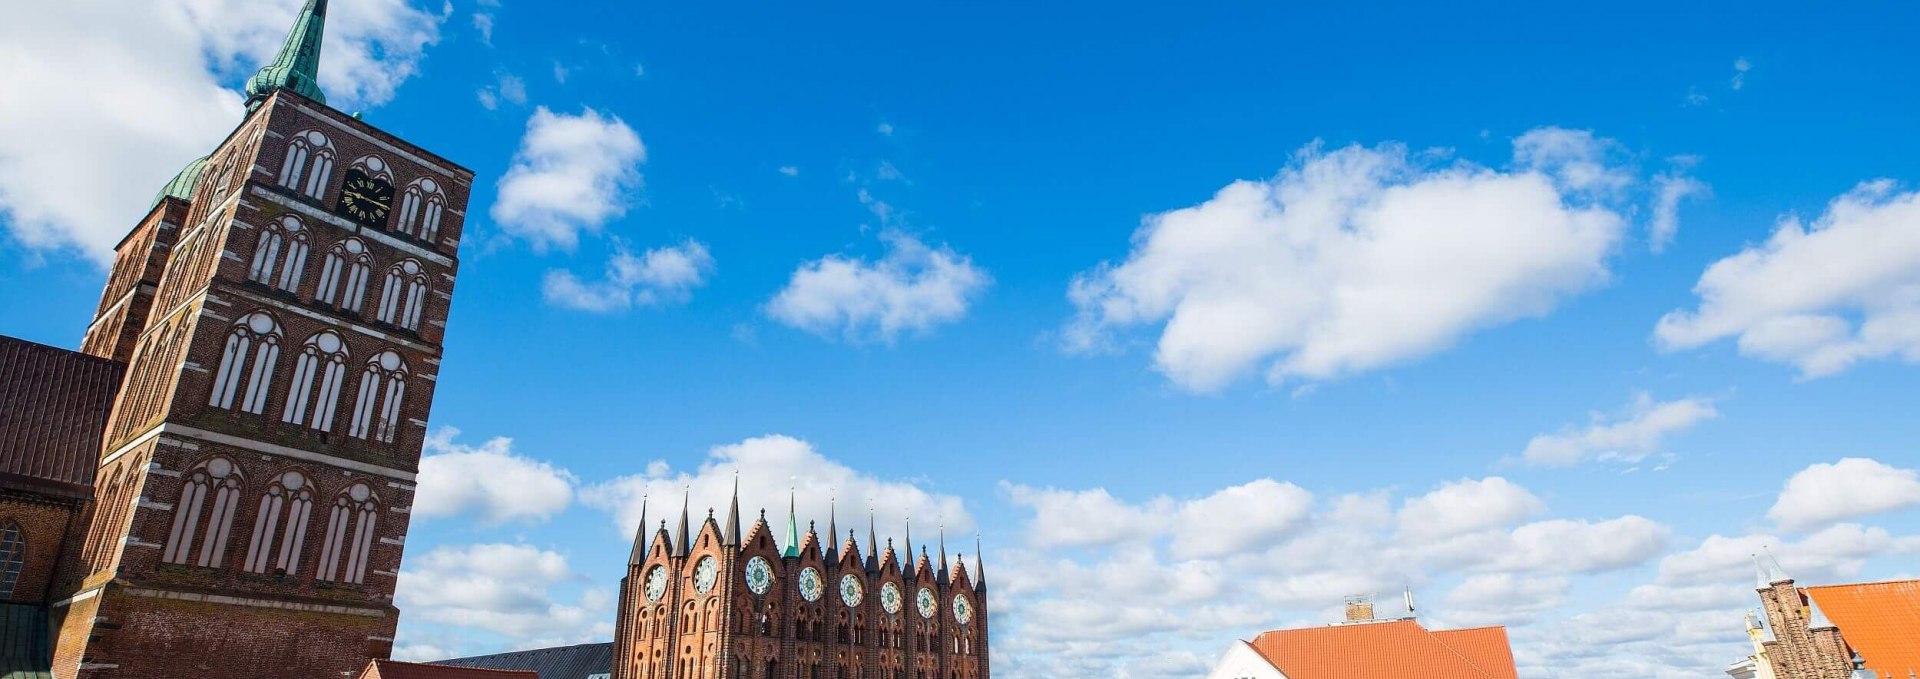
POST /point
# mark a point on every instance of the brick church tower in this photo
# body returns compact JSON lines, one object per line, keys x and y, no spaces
{"x":281,"y":311}
{"x":716,"y":604}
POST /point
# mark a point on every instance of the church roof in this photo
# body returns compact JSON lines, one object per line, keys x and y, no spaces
{"x":53,"y":412}
{"x":297,"y":66}
{"x":181,"y":186}
{"x":380,"y":668}
{"x":1879,"y":620}
{"x":560,"y":662}
{"x":1400,"y":648}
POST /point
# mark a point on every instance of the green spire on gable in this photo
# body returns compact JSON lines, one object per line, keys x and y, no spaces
{"x":297,"y":67}
{"x":793,"y":527}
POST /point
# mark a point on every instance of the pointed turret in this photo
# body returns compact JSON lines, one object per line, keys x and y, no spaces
{"x":640,"y":536}
{"x":944,"y":572}
{"x":908,"y":564}
{"x":873,"y":542}
{"x":979,"y":565}
{"x":793,"y":526}
{"x":1769,"y":570}
{"x":733,"y":514}
{"x":297,"y":67}
{"x":833,"y":529}
{"x":684,"y":541}
{"x":1816,"y":618}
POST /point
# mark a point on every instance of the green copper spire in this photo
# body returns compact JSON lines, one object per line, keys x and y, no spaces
{"x":297,"y":67}
{"x":793,"y":526}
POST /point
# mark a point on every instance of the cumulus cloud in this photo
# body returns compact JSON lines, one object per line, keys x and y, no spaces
{"x":1820,"y":296}
{"x":1144,"y":589}
{"x":1669,"y":189}
{"x":660,"y":276}
{"x":572,"y":174}
{"x":507,"y":87}
{"x":490,"y":481}
{"x":1358,"y":258}
{"x":505,"y":589}
{"x":912,"y":289}
{"x":1825,"y":493}
{"x":766,"y":468}
{"x":1627,"y":437}
{"x":72,"y":66}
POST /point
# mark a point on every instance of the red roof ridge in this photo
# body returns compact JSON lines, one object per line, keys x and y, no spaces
{"x":1862,"y":584}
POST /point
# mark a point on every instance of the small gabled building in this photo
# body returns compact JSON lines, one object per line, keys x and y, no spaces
{"x":1365,"y":648}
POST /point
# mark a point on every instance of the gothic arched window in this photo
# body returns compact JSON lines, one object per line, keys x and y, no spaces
{"x":274,"y":267}
{"x":355,"y":511}
{"x":404,"y":294}
{"x":308,"y":165}
{"x":420,"y":209}
{"x":13,"y":557}
{"x":282,"y":521}
{"x":216,"y":478}
{"x":383,"y":385}
{"x":252,"y":348}
{"x":374,"y":167}
{"x":323,"y":361}
{"x":343,"y":278}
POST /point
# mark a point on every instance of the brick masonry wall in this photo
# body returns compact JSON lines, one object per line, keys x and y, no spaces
{"x":44,"y":525}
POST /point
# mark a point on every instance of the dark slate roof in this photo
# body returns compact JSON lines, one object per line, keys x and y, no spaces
{"x":53,"y":411}
{"x":24,"y":653}
{"x":560,"y":662}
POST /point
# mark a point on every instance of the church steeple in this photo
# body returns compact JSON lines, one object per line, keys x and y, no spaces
{"x":793,"y":526}
{"x":833,"y":529}
{"x":873,"y":541}
{"x":733,"y":514}
{"x":640,"y":536}
{"x":297,"y":67}
{"x":685,"y":539}
{"x":942,"y":575}
{"x":979,"y":565}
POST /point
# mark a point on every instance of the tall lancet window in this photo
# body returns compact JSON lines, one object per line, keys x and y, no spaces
{"x":251,"y":350}
{"x":308,"y":165}
{"x":376,"y":409}
{"x":13,"y":557}
{"x":204,"y":513}
{"x":315,"y":393}
{"x":420,"y":209}
{"x":343,"y":557}
{"x":404,"y":294}
{"x":281,"y":254}
{"x":281,"y":526}
{"x":343,"y":277}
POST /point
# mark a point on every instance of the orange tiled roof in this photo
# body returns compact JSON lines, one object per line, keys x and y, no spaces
{"x":1486,"y":647}
{"x":394,"y":669}
{"x":1880,"y":620}
{"x":1401,"y":648}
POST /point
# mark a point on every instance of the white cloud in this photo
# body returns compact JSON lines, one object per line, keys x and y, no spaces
{"x":790,"y":170}
{"x":488,"y":480}
{"x":1104,"y":586}
{"x":1466,"y":506}
{"x":660,"y":276}
{"x":1820,"y":296}
{"x":1853,"y":487}
{"x":911,"y":289}
{"x":766,"y":468}
{"x":885,"y":129}
{"x":507,"y":87}
{"x":95,"y":163}
{"x":1740,"y":68}
{"x":1358,"y":258}
{"x":1628,"y":437}
{"x":1833,"y":554}
{"x":506,"y":589}
{"x":1669,"y":189}
{"x":571,"y":175}
{"x":483,"y":23}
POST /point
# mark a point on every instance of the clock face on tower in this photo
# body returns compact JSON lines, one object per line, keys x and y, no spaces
{"x":850,"y":591}
{"x":759,"y":575}
{"x":656,"y":583}
{"x":365,"y":198}
{"x":890,"y":598}
{"x":705,"y":574}
{"x":962,"y":609}
{"x":927,"y":603}
{"x":810,"y":585}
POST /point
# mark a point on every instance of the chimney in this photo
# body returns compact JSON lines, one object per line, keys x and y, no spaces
{"x":1360,"y":608}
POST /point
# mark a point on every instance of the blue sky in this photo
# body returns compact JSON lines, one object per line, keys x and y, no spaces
{"x":861,"y":227}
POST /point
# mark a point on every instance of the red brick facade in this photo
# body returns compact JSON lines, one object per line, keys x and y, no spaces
{"x":1802,"y":648}
{"x":252,"y":496}
{"x":725,"y":606}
